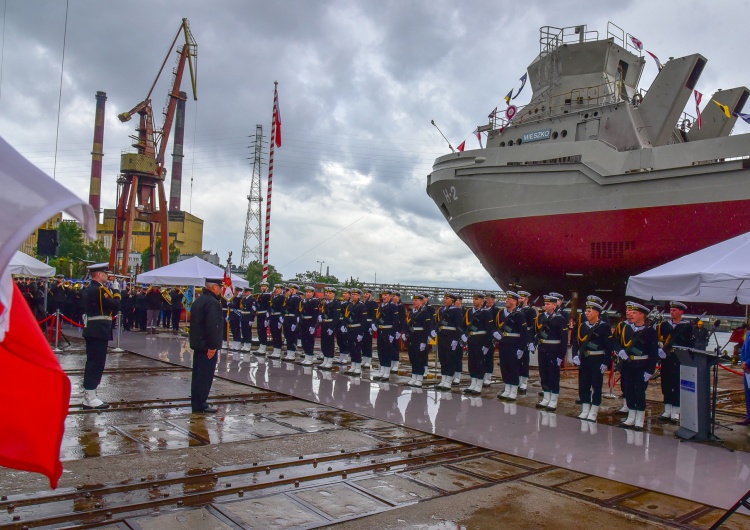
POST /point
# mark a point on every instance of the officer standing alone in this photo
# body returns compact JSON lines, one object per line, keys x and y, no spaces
{"x":206,"y":333}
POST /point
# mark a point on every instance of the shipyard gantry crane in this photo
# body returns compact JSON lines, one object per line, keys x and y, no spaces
{"x":142,"y":172}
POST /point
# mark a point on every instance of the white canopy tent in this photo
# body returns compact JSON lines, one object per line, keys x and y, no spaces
{"x":24,"y":265}
{"x":717,"y":274}
{"x":193,"y":271}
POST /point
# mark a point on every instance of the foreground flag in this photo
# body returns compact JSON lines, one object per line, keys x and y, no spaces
{"x":227,"y":291}
{"x":727,"y":113}
{"x":698,"y":98}
{"x":276,"y":116}
{"x":523,"y":84}
{"x":461,"y":146}
{"x":745,"y":117}
{"x":638,"y":44}
{"x":479,"y":137}
{"x":656,"y":59}
{"x":30,"y":437}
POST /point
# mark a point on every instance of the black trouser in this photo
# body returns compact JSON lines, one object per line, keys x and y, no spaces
{"x":549,"y":371}
{"x":670,"y":380}
{"x":262,"y":328}
{"x":176,"y":318}
{"x":591,"y":378}
{"x":386,"y":347}
{"x":203,"y":377}
{"x":417,"y":356}
{"x":291,"y":334}
{"x":342,"y":340}
{"x":127,"y":319}
{"x":525,"y":361}
{"x":634,"y":387}
{"x":479,"y":346}
{"x":367,"y":341}
{"x":140,"y":318}
{"x":447,"y":354}
{"x":234,"y":326}
{"x":509,"y":363}
{"x":166,"y":317}
{"x":355,"y":346}
{"x":489,"y":359}
{"x":96,"y":357}
{"x":308,"y":339}
{"x":276,"y":328}
{"x":327,"y":340}
{"x":246,"y":327}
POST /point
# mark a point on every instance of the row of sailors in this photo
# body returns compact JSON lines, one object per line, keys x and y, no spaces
{"x":517,"y":330}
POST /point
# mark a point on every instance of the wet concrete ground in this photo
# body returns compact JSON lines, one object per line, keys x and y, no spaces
{"x":271,"y":461}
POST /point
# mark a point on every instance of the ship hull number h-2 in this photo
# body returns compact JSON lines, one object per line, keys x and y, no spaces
{"x":450,"y":194}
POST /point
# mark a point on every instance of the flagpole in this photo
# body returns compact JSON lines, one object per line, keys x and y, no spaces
{"x":267,"y":236}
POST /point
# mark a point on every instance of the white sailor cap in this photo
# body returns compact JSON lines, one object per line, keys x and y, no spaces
{"x":678,"y":305}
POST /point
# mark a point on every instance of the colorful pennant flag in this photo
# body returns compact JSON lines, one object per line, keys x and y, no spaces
{"x":727,"y":113}
{"x":493,"y":114}
{"x":656,"y":59}
{"x":508,"y":97}
{"x":479,"y":137}
{"x":698,"y":98}
{"x":745,"y":117}
{"x":523,"y":84}
{"x":638,"y":44}
{"x":461,"y":146}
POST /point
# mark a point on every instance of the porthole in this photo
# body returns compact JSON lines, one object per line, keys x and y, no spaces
{"x":596,"y":114}
{"x":586,"y":115}
{"x":502,"y":144}
{"x":518,"y":142}
{"x":554,"y":135}
{"x":564,"y":133}
{"x":510,"y":142}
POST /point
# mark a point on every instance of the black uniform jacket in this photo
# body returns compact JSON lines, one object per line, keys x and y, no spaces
{"x":206,"y":323}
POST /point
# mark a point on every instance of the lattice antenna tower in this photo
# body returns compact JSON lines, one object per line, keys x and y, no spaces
{"x":252,"y":243}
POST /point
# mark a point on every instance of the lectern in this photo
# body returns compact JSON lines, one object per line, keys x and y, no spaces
{"x":695,"y":393}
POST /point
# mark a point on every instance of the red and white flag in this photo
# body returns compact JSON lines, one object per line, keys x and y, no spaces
{"x":277,"y":117}
{"x":656,"y":59}
{"x":638,"y":44}
{"x":461,"y":146}
{"x":227,"y":291}
{"x":698,"y":98}
{"x":479,"y":137}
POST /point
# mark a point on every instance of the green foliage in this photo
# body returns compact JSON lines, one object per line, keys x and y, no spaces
{"x":254,"y":275}
{"x":97,"y":252}
{"x":314,"y":277}
{"x":353,"y":283}
{"x":174,"y":253}
{"x":70,"y":251}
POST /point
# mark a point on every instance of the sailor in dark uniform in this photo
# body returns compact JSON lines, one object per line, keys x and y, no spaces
{"x":329,"y":323}
{"x":592,"y":347}
{"x":291,"y":321}
{"x":100,"y":305}
{"x":450,"y":326}
{"x":431,"y":310}
{"x":387,"y":324}
{"x":396,"y":299}
{"x":617,"y":337}
{"x":513,"y":337}
{"x":341,"y":337}
{"x":247,"y":308}
{"x":480,"y":326}
{"x":639,"y":351}
{"x":355,"y":317}
{"x":489,"y":359}
{"x":551,"y":328}
{"x":674,"y":332}
{"x":371,"y":307}
{"x":206,"y":333}
{"x":276,"y":320}
{"x":308,"y":322}
{"x":263,"y":313}
{"x":419,"y":324}
{"x":235,"y":319}
{"x":530,"y":314}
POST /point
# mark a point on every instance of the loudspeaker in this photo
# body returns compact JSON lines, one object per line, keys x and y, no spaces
{"x":47,"y":243}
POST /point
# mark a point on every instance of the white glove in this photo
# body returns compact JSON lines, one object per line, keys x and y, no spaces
{"x":559,"y":361}
{"x":116,"y":285}
{"x":577,"y":360}
{"x":604,"y":368}
{"x":294,"y":326}
{"x":623,"y":355}
{"x":519,"y":353}
{"x":454,"y":344}
{"x":390,"y":338}
{"x":422,"y":346}
{"x":330,"y":332}
{"x":320,"y":318}
{"x":374,"y":327}
{"x":343,"y":329}
{"x":464,"y":338}
{"x":662,"y":355}
{"x":485,"y":349}
{"x":281,"y":320}
{"x":433,"y":333}
{"x":398,"y":335}
{"x":265,"y":323}
{"x":532,"y":348}
{"x":279,"y":325}
{"x":312,"y":331}
{"x":647,"y":376}
{"x":497,"y":335}
{"x":359,"y":338}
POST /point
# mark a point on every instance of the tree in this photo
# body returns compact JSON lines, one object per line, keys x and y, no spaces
{"x":254,"y":274}
{"x":70,"y":251}
{"x":174,"y":253}
{"x":97,"y":252}
{"x":312,"y":277}
{"x":353,"y":283}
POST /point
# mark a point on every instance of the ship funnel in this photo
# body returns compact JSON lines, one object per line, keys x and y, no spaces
{"x":175,"y":188}
{"x":669,"y":93}
{"x":97,"y":153}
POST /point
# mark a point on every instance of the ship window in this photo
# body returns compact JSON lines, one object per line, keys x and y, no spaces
{"x":502,"y":144}
{"x":564,"y":133}
{"x":586,"y":115}
{"x":610,"y":249}
{"x":510,"y":142}
{"x":555,"y":135}
{"x":518,"y":142}
{"x":596,"y":114}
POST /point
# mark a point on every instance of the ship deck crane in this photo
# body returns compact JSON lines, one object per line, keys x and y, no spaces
{"x":142,"y":172}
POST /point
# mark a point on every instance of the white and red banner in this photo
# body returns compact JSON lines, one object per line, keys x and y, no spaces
{"x":698,"y":98}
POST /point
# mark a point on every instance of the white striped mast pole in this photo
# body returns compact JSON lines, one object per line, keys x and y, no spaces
{"x":270,"y":181}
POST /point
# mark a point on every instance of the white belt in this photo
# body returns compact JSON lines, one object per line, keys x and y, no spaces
{"x":417,"y":329}
{"x":275,"y":314}
{"x":307,"y":318}
{"x":512,"y":335}
{"x":327,"y":320}
{"x":354,"y":325}
{"x":449,"y":328}
{"x":638,"y":357}
{"x":543,"y":341}
{"x":595,"y":352}
{"x":246,"y":312}
{"x":100,"y":317}
{"x":477,"y":333}
{"x":386,"y":327}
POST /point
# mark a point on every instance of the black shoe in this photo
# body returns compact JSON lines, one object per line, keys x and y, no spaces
{"x":578,"y":402}
{"x":522,"y":391}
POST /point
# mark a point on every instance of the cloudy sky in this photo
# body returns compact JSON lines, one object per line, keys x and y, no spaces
{"x":359,"y":82}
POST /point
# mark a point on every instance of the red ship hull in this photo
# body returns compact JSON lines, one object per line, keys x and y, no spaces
{"x":598,"y":251}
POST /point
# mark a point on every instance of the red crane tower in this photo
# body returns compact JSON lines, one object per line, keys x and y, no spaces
{"x":142,"y":173}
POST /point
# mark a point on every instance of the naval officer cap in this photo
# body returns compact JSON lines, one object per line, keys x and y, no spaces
{"x":491,"y":295}
{"x":524,"y":294}
{"x":479,"y":295}
{"x":99,"y":267}
{"x":310,"y":288}
{"x":330,"y":289}
{"x":593,"y":305}
{"x":678,"y":305}
{"x":511,"y":294}
{"x":367,"y":291}
{"x":264,"y":282}
{"x":279,"y":286}
{"x":635,"y":306}
{"x":385,"y":291}
{"x":451,"y":295}
{"x":418,"y":297}
{"x":217,"y":281}
{"x":594,"y":298}
{"x":425,"y":295}
{"x":397,"y":293}
{"x":557,"y":295}
{"x":356,"y":291}
{"x":293,"y":286}
{"x":346,"y":290}
{"x":248,"y":289}
{"x":551,"y":297}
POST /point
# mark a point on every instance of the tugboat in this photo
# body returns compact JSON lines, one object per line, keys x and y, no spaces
{"x":596,"y":179}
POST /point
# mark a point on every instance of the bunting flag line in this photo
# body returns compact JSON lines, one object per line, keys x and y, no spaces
{"x":656,"y":59}
{"x":698,"y":98}
{"x":523,"y":84}
{"x":638,"y":44}
{"x":461,"y":146}
{"x":493,"y":114}
{"x":727,"y":113}
{"x":508,"y":97}
{"x":745,"y":117}
{"x":479,"y":137}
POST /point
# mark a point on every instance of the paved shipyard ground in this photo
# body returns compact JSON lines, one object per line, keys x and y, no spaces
{"x":359,"y":454}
